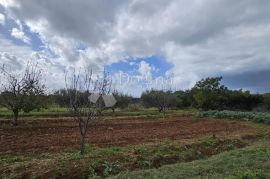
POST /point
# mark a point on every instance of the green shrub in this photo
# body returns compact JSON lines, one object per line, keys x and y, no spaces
{"x":260,"y":117}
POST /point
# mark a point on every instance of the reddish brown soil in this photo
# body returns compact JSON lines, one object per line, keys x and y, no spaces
{"x":57,"y":135}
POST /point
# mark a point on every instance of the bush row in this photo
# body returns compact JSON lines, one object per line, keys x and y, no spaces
{"x":260,"y":117}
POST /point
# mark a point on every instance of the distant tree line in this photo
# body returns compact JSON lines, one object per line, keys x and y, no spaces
{"x":207,"y":94}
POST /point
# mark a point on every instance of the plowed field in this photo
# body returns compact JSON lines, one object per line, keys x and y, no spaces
{"x":59,"y":134}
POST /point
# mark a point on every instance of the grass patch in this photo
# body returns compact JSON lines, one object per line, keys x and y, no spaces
{"x":245,"y":163}
{"x":153,"y":156}
{"x":64,"y":112}
{"x":104,"y":162}
{"x":7,"y":159}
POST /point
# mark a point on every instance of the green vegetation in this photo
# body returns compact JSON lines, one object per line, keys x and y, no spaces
{"x":210,"y":157}
{"x":159,"y":99}
{"x":131,"y":110}
{"x":43,"y":112}
{"x":259,"y":117}
{"x":207,"y":94}
{"x":110,"y":161}
{"x":23,"y":92}
{"x":210,"y":94}
{"x":251,"y":162}
{"x":152,"y":156}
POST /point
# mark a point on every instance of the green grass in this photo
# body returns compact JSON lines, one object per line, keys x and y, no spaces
{"x":152,"y":156}
{"x":64,"y":112}
{"x":251,"y":162}
{"x":260,"y":117}
{"x":104,"y":162}
{"x":7,"y":159}
{"x":50,"y":112}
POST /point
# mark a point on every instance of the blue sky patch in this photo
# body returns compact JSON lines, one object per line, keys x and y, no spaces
{"x":131,"y":66}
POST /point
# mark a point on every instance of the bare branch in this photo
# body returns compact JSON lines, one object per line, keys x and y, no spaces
{"x":15,"y":89}
{"x":79,"y":87}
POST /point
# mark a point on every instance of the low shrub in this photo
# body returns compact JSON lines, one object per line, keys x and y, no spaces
{"x":260,"y":117}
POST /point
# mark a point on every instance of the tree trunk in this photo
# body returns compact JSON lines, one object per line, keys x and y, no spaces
{"x":82,"y":146}
{"x":163,"y":112}
{"x":15,"y":117}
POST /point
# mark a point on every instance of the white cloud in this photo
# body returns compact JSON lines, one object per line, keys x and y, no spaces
{"x":199,"y":38}
{"x":145,"y":70}
{"x":15,"y":58}
{"x":2,"y":19}
{"x":18,"y":34}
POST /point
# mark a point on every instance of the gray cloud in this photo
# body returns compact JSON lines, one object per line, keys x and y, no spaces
{"x":254,"y":81}
{"x":88,"y":21}
{"x":199,"y":38}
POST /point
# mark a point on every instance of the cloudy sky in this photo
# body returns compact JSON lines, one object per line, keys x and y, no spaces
{"x":183,"y":40}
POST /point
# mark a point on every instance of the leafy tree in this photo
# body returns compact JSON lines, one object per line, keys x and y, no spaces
{"x":184,"y":98}
{"x":209,"y":94}
{"x":61,"y":97}
{"x":267,"y":100}
{"x":243,"y":100}
{"x":159,"y":99}
{"x":23,"y":92}
{"x":122,"y":100}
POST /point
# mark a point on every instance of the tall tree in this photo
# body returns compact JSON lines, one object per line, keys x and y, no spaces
{"x":85,"y":100}
{"x":209,"y":93}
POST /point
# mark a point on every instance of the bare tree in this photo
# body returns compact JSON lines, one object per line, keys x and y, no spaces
{"x":103,"y":87}
{"x":80,"y":86}
{"x":21,"y":91}
{"x":159,"y":99}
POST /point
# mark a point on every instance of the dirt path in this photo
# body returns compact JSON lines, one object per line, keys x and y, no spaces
{"x":57,"y":135}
